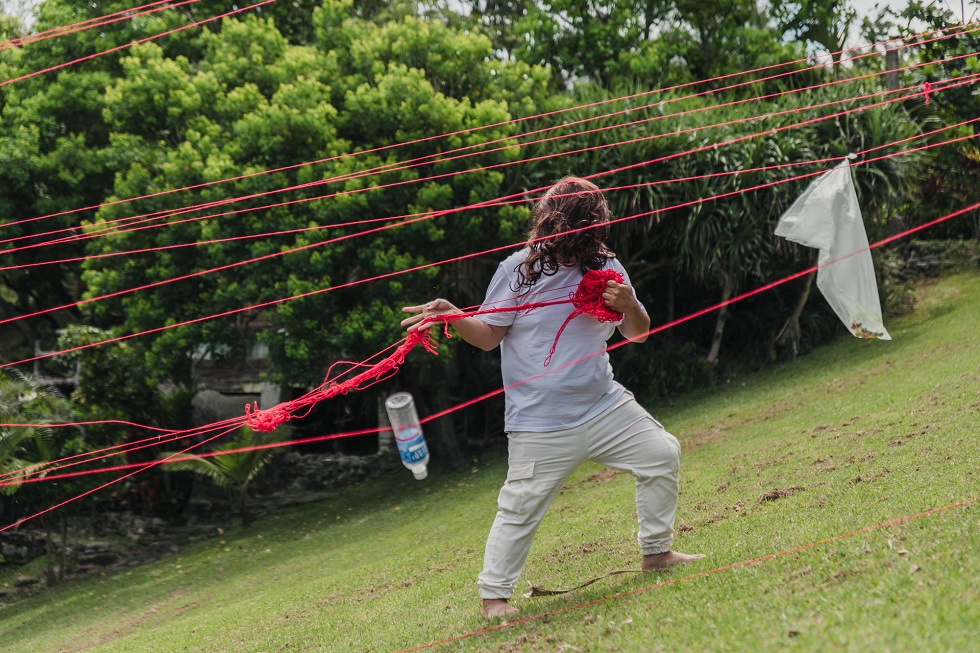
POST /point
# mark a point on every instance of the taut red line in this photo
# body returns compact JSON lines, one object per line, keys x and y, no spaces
{"x":945,"y":33}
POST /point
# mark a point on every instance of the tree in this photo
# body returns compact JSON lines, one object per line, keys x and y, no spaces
{"x":822,"y":22}
{"x":728,"y":242}
{"x":249,"y":101}
{"x":613,"y":43}
{"x":947,"y":182}
{"x":52,"y":154}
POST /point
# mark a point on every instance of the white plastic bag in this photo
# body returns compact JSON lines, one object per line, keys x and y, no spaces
{"x":827,"y":217}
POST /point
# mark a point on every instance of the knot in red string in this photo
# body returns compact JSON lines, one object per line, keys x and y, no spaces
{"x":926,"y":90}
{"x":587,"y":300}
{"x":266,"y":420}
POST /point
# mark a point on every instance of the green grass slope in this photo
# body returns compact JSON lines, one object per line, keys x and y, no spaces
{"x":787,"y":482}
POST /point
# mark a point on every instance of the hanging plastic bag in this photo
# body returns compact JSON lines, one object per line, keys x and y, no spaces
{"x":827,"y":217}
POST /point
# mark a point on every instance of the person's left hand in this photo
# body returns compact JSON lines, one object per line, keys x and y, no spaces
{"x":619,"y":296}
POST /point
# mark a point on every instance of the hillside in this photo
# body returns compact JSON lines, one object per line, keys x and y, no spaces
{"x":805,"y":484}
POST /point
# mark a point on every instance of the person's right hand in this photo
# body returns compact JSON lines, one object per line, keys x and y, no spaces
{"x":427,"y":310}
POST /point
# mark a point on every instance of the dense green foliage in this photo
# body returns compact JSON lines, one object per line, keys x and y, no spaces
{"x":325,"y":118}
{"x":27,"y":405}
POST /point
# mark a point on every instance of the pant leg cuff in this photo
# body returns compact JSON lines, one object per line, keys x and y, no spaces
{"x":488,"y":592}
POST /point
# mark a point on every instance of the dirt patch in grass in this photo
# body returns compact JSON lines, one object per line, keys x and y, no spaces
{"x":702,"y":437}
{"x":869,"y":478}
{"x":823,"y":464}
{"x":779,"y":493}
{"x":530,"y":641}
{"x":687,"y":527}
{"x":576,"y":550}
{"x":804,"y":571}
{"x":772,"y":462}
{"x":600,"y":477}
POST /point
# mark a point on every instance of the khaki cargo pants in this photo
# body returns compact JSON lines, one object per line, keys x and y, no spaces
{"x":624,"y":437}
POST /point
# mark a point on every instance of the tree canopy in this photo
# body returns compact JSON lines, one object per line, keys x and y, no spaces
{"x":285,"y":180}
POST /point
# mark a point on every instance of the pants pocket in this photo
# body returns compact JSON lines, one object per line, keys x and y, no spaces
{"x":514,"y":492}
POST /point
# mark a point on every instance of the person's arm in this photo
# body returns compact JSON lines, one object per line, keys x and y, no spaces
{"x":474,"y":331}
{"x":636,"y":323}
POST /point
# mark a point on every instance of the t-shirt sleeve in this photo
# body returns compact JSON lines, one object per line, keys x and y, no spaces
{"x":499,"y":295}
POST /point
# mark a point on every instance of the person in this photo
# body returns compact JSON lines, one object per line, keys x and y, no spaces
{"x":569,"y":410}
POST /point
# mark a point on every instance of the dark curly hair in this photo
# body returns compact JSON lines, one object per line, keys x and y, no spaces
{"x":570,"y":228}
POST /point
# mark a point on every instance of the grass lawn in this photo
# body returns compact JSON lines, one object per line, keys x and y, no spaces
{"x":788,"y":478}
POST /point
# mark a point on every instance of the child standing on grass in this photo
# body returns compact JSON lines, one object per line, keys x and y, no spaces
{"x":569,"y":410}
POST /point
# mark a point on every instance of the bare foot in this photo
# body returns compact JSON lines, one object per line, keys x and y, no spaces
{"x":493,"y":608}
{"x":668,"y":559}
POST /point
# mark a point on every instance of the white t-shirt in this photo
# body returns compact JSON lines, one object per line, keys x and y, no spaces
{"x":577,"y":384}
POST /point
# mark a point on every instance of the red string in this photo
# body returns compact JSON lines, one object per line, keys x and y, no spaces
{"x":114,"y":481}
{"x":312,"y":293}
{"x":159,"y":215}
{"x":106,"y":228}
{"x":960,"y":81}
{"x":659,"y":329}
{"x":470,"y":207}
{"x":32,"y":473}
{"x":942,"y":36}
{"x":272,"y":418}
{"x":92,"y":23}
{"x":587,"y":300}
{"x":209,"y":454}
{"x":132,"y":43}
{"x":926,"y":90}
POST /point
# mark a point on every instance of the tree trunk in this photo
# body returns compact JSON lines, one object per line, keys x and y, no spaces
{"x":444,"y":439}
{"x":386,"y":438}
{"x":243,"y":505}
{"x":727,"y":291}
{"x":62,"y":570}
{"x":791,"y":328}
{"x":446,"y":436}
{"x":50,"y":574}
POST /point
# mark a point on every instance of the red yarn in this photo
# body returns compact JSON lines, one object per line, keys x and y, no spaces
{"x":272,"y":418}
{"x":587,"y":300}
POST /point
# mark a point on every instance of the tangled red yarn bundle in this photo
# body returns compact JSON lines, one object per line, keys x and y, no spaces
{"x":587,"y":300}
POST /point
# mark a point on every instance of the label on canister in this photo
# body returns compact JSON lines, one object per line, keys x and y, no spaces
{"x":411,"y":445}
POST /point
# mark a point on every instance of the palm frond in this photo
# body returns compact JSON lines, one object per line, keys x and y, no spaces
{"x":201,"y":466}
